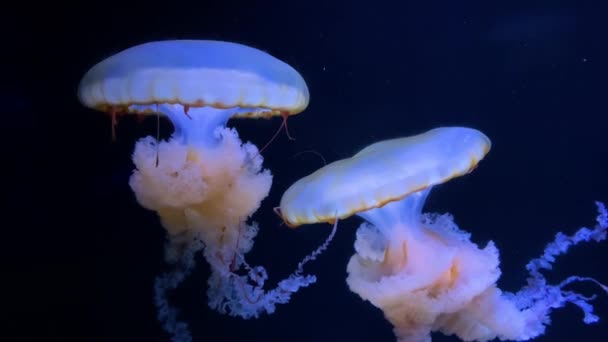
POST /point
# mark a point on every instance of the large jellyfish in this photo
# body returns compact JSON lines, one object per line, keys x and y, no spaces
{"x":421,"y":270}
{"x":203,"y":183}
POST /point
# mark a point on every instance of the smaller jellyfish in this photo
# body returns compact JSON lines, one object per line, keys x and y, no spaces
{"x":204,"y":182}
{"x":419,"y":268}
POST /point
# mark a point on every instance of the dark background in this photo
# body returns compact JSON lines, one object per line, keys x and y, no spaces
{"x":82,"y":255}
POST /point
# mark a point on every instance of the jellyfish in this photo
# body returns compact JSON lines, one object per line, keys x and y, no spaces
{"x":203,"y":182}
{"x":421,"y":269}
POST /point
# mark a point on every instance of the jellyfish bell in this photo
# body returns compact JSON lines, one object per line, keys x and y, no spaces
{"x":381,"y":173}
{"x":197,"y":84}
{"x":204,"y":182}
{"x":421,"y":269}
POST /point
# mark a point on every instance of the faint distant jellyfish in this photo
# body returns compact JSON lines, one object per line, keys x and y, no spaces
{"x":203,"y":182}
{"x":421,"y":270}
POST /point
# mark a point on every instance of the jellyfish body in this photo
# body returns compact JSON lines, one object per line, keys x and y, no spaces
{"x":204,"y":182}
{"x":420,"y":269}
